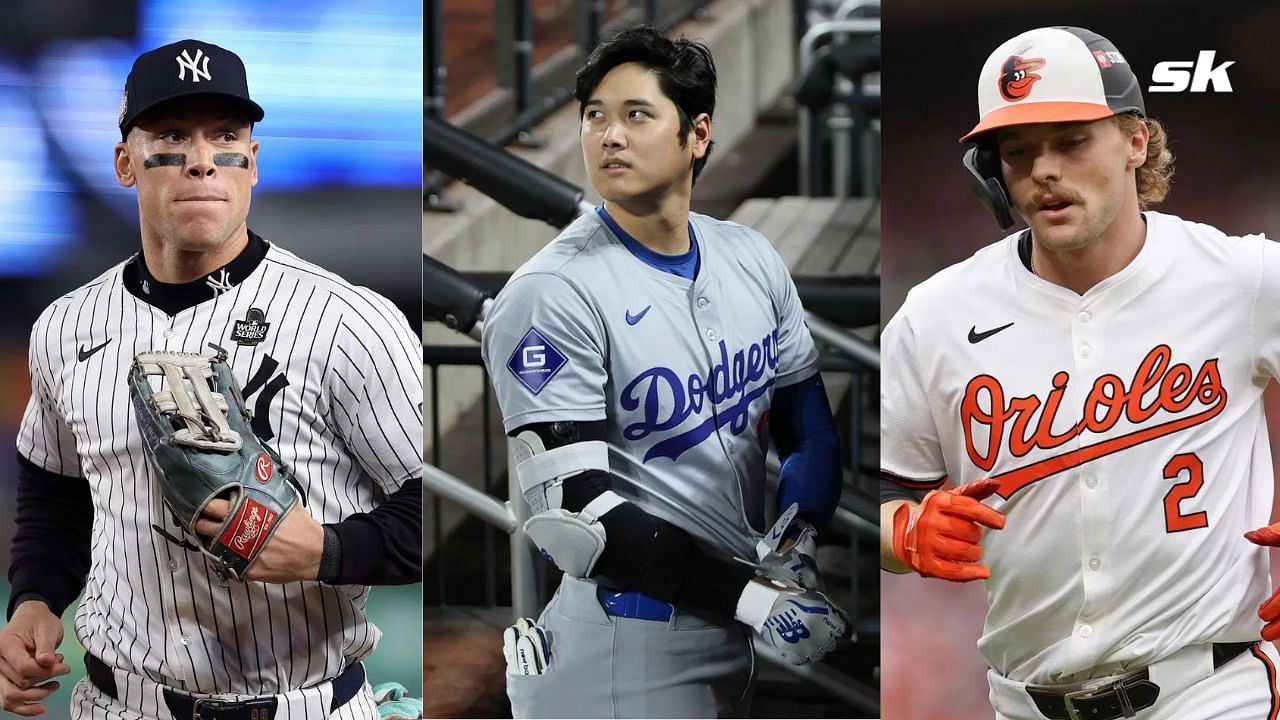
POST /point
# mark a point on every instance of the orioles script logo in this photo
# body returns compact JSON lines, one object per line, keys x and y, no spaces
{"x":1017,"y":75}
{"x":1157,"y":385}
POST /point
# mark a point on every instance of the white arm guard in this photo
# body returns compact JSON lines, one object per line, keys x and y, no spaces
{"x":573,"y":541}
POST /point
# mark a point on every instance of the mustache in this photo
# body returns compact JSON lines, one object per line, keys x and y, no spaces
{"x":1062,"y":194}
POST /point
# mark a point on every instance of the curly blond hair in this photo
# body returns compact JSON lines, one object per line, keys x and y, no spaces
{"x":1156,"y":174}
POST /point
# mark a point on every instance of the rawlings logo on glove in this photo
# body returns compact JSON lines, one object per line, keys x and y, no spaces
{"x":197,"y":439}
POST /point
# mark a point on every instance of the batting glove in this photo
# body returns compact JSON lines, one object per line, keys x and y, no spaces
{"x":941,"y":537}
{"x":802,"y":625}
{"x":1269,"y":611}
{"x":796,"y":564}
{"x":526,"y":648}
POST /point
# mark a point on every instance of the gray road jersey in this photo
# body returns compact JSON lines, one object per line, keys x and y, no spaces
{"x":682,"y":371}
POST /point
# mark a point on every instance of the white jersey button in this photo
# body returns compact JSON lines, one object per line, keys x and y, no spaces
{"x":1085,"y":316}
{"x":711,"y":334}
{"x":1091,"y":481}
{"x":1085,"y":351}
{"x":168,"y":333}
{"x":173,"y":566}
{"x":185,"y":640}
{"x":1086,"y":631}
{"x":703,"y":302}
{"x":1094,"y":563}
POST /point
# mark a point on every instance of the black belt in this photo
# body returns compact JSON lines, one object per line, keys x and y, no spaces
{"x":1119,"y":698}
{"x":186,"y":707}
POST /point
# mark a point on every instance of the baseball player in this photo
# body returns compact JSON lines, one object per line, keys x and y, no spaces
{"x":643,"y":361}
{"x":331,"y":375}
{"x":1092,"y":387}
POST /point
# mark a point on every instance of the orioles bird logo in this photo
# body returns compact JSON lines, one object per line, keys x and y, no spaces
{"x":1017,"y":76}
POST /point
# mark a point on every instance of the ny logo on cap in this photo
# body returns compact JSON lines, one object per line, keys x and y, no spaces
{"x":194,"y":64}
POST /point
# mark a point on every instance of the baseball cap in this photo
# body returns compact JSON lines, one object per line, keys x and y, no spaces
{"x":1054,"y":74}
{"x":187,"y":67}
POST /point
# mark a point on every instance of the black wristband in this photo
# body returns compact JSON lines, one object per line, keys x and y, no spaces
{"x":331,"y":556}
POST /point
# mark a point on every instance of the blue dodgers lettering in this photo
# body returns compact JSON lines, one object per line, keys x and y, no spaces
{"x":535,"y":361}
{"x":728,"y":381}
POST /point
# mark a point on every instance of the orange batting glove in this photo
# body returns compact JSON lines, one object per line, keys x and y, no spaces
{"x":940,"y":537}
{"x":1269,"y":611}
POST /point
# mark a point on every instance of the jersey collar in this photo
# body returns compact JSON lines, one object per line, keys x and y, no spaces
{"x":684,"y":265}
{"x":173,"y":298}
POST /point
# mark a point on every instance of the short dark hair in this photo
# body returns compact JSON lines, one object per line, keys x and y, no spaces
{"x":685,"y":70}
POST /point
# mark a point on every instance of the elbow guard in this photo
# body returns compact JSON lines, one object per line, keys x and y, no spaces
{"x":544,"y":458}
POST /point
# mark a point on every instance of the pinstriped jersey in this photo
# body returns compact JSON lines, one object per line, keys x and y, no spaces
{"x":1126,"y":428}
{"x":333,"y":376}
{"x":682,"y":371}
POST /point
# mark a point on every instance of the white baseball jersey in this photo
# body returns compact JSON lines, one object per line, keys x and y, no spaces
{"x":683,"y":371}
{"x":333,"y":375}
{"x":1127,"y":430}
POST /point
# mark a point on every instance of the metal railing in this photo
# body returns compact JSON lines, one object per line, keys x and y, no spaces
{"x":847,"y":121}
{"x":527,"y":92}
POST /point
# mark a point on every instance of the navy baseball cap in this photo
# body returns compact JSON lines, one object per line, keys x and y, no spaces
{"x":181,"y":69}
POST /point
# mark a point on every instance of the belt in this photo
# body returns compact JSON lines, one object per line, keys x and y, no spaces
{"x":187,"y":707}
{"x":1120,"y":697}
{"x":634,"y":605}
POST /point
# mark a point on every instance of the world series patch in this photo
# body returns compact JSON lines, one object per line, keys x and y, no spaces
{"x":252,"y":329}
{"x":535,"y":361}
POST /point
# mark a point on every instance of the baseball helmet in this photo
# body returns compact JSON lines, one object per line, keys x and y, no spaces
{"x":1053,"y":74}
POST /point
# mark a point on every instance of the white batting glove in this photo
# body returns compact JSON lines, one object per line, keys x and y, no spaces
{"x":802,"y":625}
{"x":796,"y":564}
{"x":526,"y":648}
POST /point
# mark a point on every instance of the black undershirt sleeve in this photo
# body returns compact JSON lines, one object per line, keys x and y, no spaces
{"x":49,"y":555}
{"x":381,"y":547}
{"x":890,"y":491}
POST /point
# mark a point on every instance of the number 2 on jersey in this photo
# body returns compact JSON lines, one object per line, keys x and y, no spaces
{"x":1174,"y":519}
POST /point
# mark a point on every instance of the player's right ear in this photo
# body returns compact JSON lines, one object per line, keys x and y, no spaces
{"x":124,"y":168}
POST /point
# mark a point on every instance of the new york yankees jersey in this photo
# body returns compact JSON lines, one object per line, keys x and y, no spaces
{"x":332,"y":374}
{"x":683,"y":371}
{"x":1126,"y":428}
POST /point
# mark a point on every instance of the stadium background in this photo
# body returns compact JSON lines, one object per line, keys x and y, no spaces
{"x":340,"y":167}
{"x":1225,"y":155}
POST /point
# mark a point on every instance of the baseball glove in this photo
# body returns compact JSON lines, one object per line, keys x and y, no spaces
{"x":196,"y":433}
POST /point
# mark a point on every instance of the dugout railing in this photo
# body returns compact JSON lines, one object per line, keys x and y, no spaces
{"x":838,"y":104}
{"x":525,"y":91}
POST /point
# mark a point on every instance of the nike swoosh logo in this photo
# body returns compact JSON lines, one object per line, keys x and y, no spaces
{"x":86,"y":354}
{"x":633,"y":319}
{"x":976,"y":337}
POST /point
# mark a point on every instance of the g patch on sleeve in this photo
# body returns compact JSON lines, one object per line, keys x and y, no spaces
{"x":535,"y":361}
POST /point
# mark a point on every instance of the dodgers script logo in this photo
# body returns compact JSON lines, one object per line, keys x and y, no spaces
{"x":1021,"y":424}
{"x":667,"y":400}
